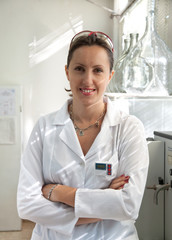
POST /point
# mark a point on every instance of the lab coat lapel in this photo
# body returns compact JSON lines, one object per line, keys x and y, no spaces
{"x":103,"y":138}
{"x":68,"y":136}
{"x":112,"y":119}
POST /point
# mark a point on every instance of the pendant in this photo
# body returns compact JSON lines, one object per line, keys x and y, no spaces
{"x":97,"y":124}
{"x":81,"y":133}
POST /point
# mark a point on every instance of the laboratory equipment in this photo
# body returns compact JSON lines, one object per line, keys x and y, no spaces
{"x":154,"y":221}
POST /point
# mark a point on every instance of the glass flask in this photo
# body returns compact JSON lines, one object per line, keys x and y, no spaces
{"x":125,"y":49}
{"x":147,"y":69}
{"x":116,"y":82}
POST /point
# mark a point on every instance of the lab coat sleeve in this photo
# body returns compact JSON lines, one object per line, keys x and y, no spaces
{"x":30,"y":202}
{"x":121,"y":204}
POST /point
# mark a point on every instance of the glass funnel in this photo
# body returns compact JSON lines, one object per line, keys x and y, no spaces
{"x":156,"y":87}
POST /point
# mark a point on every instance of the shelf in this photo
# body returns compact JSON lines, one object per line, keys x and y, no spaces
{"x":114,"y":96}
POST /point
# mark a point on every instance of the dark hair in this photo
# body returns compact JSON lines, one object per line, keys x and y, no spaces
{"x":90,"y":40}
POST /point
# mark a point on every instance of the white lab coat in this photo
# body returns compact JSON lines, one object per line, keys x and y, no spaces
{"x":54,"y":155}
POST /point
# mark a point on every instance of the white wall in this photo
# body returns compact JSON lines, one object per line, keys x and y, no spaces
{"x":35,"y":36}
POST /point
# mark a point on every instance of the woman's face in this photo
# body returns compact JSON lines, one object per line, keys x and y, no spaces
{"x":89,"y":74}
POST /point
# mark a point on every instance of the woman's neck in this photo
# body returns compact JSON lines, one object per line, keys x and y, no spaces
{"x":87,"y":113}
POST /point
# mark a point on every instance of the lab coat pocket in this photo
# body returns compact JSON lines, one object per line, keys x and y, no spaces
{"x":106,"y":171}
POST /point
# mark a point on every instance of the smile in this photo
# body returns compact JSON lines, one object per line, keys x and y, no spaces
{"x":86,"y":91}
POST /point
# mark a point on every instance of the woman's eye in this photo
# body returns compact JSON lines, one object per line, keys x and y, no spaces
{"x":79,"y":68}
{"x":98,"y":70}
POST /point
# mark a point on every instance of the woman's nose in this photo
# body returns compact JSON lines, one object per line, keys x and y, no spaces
{"x":88,"y":77}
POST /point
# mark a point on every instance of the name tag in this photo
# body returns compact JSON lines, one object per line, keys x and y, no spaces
{"x":103,"y":168}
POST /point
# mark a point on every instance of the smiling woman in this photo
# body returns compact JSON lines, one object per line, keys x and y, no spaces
{"x":84,"y":163}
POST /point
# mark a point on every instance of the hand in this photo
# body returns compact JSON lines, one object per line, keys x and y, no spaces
{"x":119,"y":182}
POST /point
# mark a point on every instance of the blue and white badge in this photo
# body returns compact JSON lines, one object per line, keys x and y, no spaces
{"x":103,"y":168}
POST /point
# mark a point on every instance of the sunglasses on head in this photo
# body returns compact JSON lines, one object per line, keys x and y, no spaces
{"x":100,"y":35}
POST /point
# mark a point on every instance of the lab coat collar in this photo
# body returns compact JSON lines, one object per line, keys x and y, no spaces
{"x":62,"y":116}
{"x":68,"y":135}
{"x":114,"y":115}
{"x":112,"y":118}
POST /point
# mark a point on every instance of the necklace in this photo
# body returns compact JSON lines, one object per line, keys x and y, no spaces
{"x":82,"y":130}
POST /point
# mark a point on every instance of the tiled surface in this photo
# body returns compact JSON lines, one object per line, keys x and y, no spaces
{"x":25,"y":234}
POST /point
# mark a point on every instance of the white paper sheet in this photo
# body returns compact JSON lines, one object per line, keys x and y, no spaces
{"x":7,"y":130}
{"x":7,"y":102}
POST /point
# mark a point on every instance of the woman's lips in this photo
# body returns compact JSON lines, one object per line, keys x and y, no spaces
{"x":87,"y":91}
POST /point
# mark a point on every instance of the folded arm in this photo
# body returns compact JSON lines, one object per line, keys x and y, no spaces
{"x":66,"y":195}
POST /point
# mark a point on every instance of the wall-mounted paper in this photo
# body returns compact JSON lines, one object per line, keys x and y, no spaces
{"x":7,"y":130}
{"x":7,"y":102}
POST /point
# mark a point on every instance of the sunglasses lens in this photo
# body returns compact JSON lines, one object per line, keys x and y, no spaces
{"x":106,"y":38}
{"x":100,"y":35}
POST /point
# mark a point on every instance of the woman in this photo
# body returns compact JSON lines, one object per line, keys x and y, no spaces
{"x":84,"y":169}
